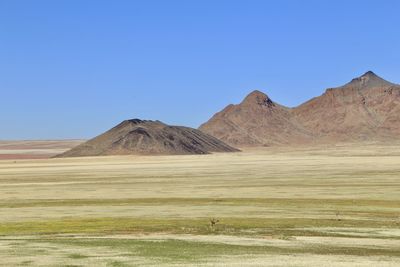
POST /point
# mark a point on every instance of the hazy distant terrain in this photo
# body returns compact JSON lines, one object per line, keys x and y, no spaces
{"x":32,"y":149}
{"x":321,"y":206}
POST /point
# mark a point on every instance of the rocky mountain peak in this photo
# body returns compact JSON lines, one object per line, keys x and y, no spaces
{"x":368,"y":80}
{"x":259,"y":98}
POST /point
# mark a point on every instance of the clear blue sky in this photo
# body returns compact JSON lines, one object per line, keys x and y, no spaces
{"x":73,"y":68}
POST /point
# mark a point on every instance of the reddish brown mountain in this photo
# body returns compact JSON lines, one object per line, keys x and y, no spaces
{"x":255,"y":121}
{"x":367,"y":108}
{"x":149,"y":138}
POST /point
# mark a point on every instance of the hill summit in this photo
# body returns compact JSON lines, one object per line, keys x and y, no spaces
{"x":145,"y":137}
{"x":259,"y":98}
{"x":368,"y":80}
{"x":257,"y":120}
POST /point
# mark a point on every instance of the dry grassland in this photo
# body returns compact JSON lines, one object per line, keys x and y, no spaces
{"x":325,"y":206}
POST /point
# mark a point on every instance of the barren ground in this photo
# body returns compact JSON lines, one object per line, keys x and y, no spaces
{"x":34,"y":149}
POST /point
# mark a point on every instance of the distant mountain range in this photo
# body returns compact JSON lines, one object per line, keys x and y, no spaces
{"x":365,"y":109}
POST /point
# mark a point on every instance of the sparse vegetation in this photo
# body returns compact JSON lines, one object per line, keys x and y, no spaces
{"x":213,"y":223}
{"x":336,"y":205}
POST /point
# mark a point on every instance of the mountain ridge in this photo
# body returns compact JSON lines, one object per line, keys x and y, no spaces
{"x":365,"y":108}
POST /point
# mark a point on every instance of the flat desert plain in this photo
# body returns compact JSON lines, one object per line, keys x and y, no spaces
{"x":321,"y":206}
{"x":34,"y":149}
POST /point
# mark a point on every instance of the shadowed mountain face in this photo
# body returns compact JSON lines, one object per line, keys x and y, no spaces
{"x":149,"y":138}
{"x":367,"y":108}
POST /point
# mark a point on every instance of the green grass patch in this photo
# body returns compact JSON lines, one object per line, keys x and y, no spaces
{"x":189,"y":251}
{"x":77,"y":256}
{"x":231,"y":226}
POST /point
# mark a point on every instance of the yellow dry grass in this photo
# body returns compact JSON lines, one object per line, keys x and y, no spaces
{"x":277,"y":206}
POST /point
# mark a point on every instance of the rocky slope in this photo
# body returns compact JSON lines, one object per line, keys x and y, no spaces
{"x":149,"y":138}
{"x":256,"y":121}
{"x":367,"y":108}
